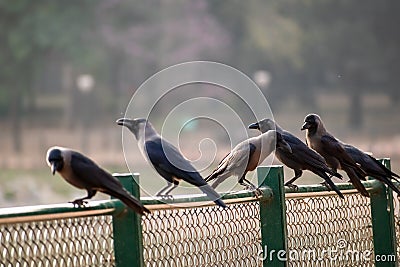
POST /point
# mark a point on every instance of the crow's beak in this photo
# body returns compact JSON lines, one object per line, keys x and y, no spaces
{"x":122,"y":121}
{"x":53,"y":167}
{"x":254,"y":126}
{"x":306,"y":125}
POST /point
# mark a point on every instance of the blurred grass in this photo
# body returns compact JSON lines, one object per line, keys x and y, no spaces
{"x":41,"y":176}
{"x":26,"y":180}
{"x":39,"y":186}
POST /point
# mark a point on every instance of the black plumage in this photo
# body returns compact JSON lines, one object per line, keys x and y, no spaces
{"x":83,"y":173}
{"x":372,"y":167}
{"x":301,"y":158}
{"x":166,"y":159}
{"x":333,"y":151}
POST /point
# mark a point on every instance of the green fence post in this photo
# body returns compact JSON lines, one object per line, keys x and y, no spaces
{"x":383,"y":224}
{"x":127,"y":229}
{"x":273,"y":217}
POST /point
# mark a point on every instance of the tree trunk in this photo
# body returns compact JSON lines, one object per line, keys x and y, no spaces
{"x":68,"y":88}
{"x":356,"y":117}
{"x":15,"y":117}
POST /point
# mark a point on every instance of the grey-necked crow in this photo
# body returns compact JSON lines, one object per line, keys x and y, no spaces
{"x":333,"y":151}
{"x":166,"y":159}
{"x":246,"y":156}
{"x":83,"y":173}
{"x":301,"y":158}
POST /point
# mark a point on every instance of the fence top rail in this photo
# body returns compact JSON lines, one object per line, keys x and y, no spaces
{"x":59,"y":211}
{"x":110,"y":207}
{"x":321,"y":190}
{"x":196,"y":200}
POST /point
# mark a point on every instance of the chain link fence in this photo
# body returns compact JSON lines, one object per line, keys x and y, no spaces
{"x":315,"y":221}
{"x":397,"y":223}
{"x":82,"y":241}
{"x":205,"y":236}
{"x":329,"y":231}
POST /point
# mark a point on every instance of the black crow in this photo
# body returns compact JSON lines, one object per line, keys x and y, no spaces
{"x":83,"y":173}
{"x":301,"y":158}
{"x":333,"y":151}
{"x":166,"y":159}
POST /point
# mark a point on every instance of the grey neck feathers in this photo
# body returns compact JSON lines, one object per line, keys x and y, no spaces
{"x":278,"y":128}
{"x":149,"y":131}
{"x":267,"y":140}
{"x":66,"y":153}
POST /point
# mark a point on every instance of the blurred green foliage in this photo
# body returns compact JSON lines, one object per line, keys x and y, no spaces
{"x":306,"y":45}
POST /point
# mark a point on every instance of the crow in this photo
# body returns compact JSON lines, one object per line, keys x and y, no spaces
{"x":166,"y":159}
{"x":83,"y":173}
{"x":301,"y":158}
{"x":333,"y":151}
{"x":246,"y":156}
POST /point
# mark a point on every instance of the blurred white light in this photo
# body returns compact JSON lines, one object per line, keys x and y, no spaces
{"x":85,"y":83}
{"x":262,"y":78}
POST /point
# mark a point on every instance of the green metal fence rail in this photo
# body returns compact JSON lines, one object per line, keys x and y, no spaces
{"x":282,"y":227}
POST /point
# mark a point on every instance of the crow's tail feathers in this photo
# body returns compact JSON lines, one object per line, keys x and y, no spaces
{"x":211,"y":193}
{"x":336,"y":174}
{"x":355,"y":180}
{"x":388,"y":182}
{"x":131,"y":202}
{"x":209,"y":178}
{"x":330,"y":183}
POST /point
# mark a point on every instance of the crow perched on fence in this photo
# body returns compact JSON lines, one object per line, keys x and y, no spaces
{"x":246,"y":156}
{"x":333,"y":151}
{"x":166,"y":159}
{"x":301,"y":158}
{"x":83,"y":173}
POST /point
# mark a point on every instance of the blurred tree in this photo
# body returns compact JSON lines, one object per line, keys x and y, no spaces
{"x":148,"y":37}
{"x":263,"y":39}
{"x":31,"y":30}
{"x":305,"y":45}
{"x":350,"y":46}
{"x":340,"y":45}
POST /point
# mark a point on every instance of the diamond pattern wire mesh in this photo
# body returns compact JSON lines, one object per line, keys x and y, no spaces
{"x":396,"y":207}
{"x":201,"y":236}
{"x":327,"y":222}
{"x":83,"y":241}
{"x":205,"y":236}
